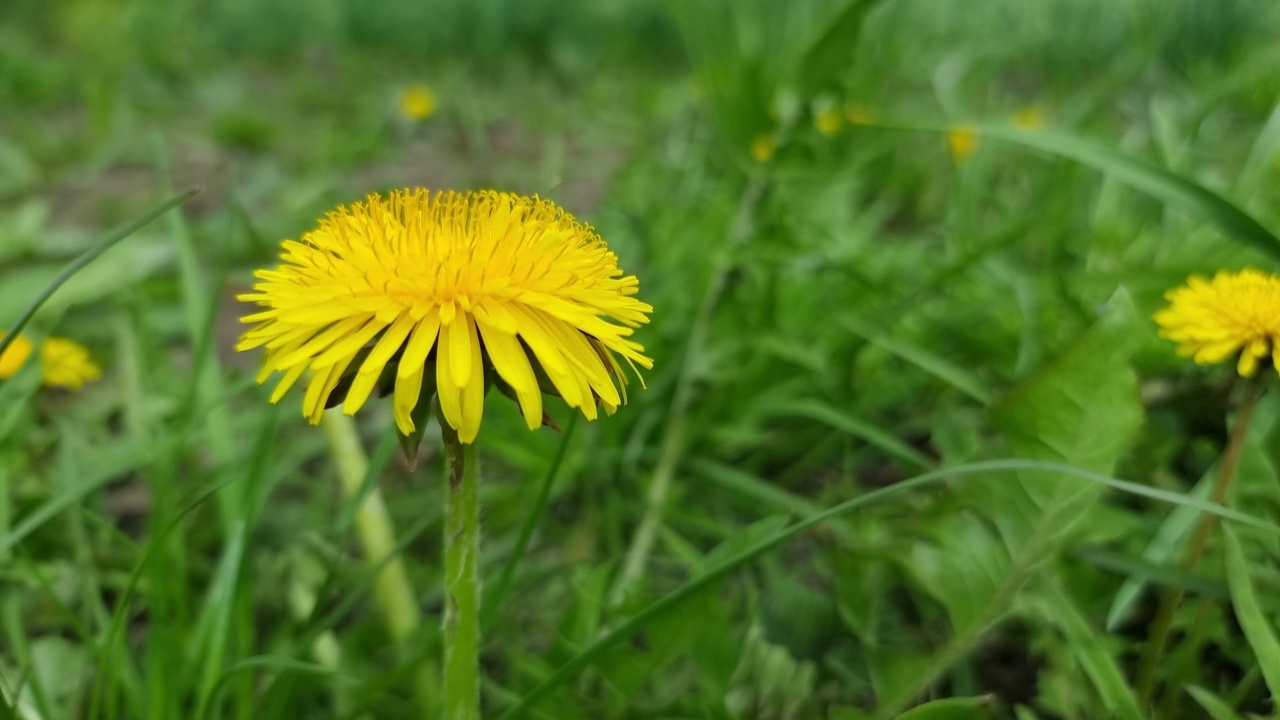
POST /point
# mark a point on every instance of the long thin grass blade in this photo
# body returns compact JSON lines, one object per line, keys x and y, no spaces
{"x":84,"y":259}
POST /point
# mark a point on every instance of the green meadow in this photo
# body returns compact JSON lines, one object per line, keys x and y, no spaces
{"x":912,"y":445}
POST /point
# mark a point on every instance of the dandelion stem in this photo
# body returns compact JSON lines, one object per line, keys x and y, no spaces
{"x":1162,"y":625}
{"x":376,"y":533}
{"x":462,"y":582}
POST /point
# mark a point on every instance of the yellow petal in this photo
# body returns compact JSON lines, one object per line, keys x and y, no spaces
{"x":509,"y":359}
{"x":373,"y":365}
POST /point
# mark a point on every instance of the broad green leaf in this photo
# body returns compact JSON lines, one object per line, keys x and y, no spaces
{"x":1258,"y":630}
{"x":968,"y":708}
{"x":1082,"y":410}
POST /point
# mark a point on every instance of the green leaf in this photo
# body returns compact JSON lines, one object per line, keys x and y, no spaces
{"x":966,"y":708}
{"x":1031,"y":469}
{"x":80,"y":262}
{"x":1082,"y":410}
{"x":1088,"y":650}
{"x":844,"y":422}
{"x":1217,"y":708}
{"x":1257,"y":629}
{"x":1151,"y":179}
{"x":938,"y":366}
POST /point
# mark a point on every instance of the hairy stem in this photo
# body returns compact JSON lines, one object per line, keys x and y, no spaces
{"x":461,"y":583}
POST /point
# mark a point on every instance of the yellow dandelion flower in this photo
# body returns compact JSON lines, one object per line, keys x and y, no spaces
{"x":828,"y":121}
{"x":63,"y":363}
{"x":417,"y":102}
{"x":963,"y":142}
{"x":15,"y":356}
{"x":857,"y":114}
{"x":66,"y":364}
{"x":490,"y":281}
{"x":1212,"y":320}
{"x":1028,"y":118}
{"x":763,"y":147}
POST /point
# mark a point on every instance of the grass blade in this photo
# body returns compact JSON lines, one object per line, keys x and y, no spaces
{"x":1098,"y":664}
{"x":1257,"y":630}
{"x":1151,"y":179}
{"x":84,"y":259}
{"x":493,"y":601}
{"x":1046,"y":470}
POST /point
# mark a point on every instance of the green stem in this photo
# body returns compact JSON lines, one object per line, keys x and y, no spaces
{"x":1162,"y":625}
{"x":461,"y":583}
{"x":376,"y":533}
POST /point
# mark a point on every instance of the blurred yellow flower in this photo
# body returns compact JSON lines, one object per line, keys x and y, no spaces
{"x":763,"y":147}
{"x":1212,"y":320}
{"x":66,"y":364}
{"x":15,"y":356}
{"x":1028,"y":118}
{"x":857,"y":114}
{"x":828,"y":121}
{"x":963,"y":141}
{"x":63,"y":363}
{"x":489,"y":280}
{"x":417,"y":102}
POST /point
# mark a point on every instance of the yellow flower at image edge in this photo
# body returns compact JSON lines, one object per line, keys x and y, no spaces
{"x":502,"y":288}
{"x":1235,"y":312}
{"x":63,"y":363}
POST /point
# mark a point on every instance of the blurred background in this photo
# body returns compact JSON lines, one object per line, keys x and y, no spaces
{"x":852,"y":284}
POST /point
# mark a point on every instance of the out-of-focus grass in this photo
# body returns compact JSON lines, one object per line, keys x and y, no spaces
{"x":860,"y":307}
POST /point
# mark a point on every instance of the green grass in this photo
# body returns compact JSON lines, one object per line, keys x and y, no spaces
{"x":911,"y":446}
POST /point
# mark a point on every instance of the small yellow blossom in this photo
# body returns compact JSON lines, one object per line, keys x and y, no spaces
{"x":417,"y":102}
{"x":15,"y":356}
{"x":1235,"y":312}
{"x":1028,"y":118}
{"x":963,"y":141}
{"x":857,"y":114}
{"x":508,"y":291}
{"x":63,"y":363}
{"x":828,"y":121}
{"x":66,"y":364}
{"x":763,"y":147}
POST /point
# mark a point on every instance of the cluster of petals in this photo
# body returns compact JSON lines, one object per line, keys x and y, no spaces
{"x":1235,"y":313}
{"x":448,"y":293}
{"x":63,"y":363}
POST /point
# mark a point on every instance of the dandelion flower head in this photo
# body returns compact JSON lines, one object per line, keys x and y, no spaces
{"x":63,"y":363}
{"x":417,"y":102}
{"x":1235,"y":312}
{"x":829,"y":121}
{"x":454,"y":290}
{"x":1029,"y":118}
{"x":963,"y":142}
{"x":763,"y":147}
